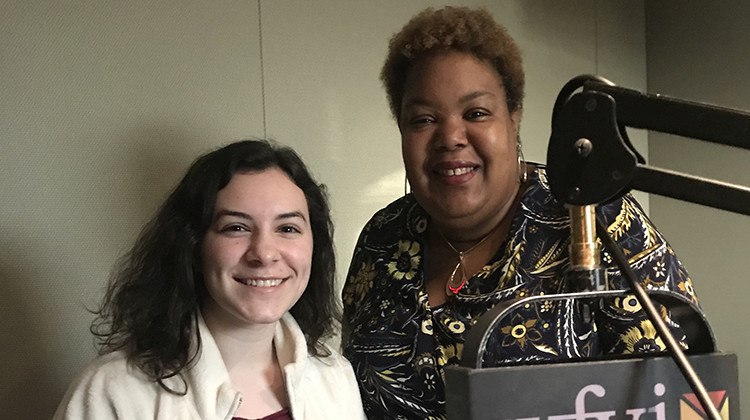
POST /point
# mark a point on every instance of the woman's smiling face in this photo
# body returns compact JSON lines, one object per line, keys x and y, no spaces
{"x":459,"y":140}
{"x":257,"y":253}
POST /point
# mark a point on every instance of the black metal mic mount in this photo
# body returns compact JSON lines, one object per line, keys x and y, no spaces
{"x":590,"y":161}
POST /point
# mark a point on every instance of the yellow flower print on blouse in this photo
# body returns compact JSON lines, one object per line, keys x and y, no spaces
{"x":455,"y":326}
{"x":427,"y":326}
{"x":449,"y":353}
{"x":360,"y":284}
{"x":687,"y":287}
{"x":642,"y":339}
{"x":405,"y":261}
{"x":628,"y":304}
{"x":519,"y":331}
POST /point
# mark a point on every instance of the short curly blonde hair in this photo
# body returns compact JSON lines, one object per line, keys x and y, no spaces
{"x":460,"y":29}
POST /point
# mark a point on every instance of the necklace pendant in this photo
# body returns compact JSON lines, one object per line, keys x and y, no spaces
{"x":450,"y":289}
{"x":454,"y":290}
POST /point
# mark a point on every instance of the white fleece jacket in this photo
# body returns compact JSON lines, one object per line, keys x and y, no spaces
{"x":111,"y":388}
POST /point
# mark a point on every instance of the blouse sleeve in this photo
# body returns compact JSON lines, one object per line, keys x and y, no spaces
{"x":622,"y":324}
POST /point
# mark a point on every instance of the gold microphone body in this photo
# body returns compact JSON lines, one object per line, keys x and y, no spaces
{"x":585,"y":273}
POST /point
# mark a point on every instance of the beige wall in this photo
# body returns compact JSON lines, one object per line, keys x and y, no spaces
{"x":104,"y":103}
{"x":699,"y":51}
{"x":102,"y":106}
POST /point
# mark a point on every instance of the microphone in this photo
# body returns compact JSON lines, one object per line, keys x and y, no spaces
{"x":584,"y":273}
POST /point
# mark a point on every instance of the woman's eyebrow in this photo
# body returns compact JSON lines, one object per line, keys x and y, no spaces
{"x":291,"y":215}
{"x":233,"y":213}
{"x":473,"y":95}
{"x":417,"y":101}
{"x":243,"y":215}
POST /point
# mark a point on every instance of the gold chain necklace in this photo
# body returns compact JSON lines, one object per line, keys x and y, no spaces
{"x":450,"y":287}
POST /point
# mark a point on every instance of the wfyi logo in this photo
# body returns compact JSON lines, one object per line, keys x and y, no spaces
{"x":690,"y":407}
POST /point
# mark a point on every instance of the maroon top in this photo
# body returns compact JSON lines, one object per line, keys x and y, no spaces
{"x":279,"y":415}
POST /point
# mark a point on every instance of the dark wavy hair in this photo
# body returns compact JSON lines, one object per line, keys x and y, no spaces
{"x":448,"y":29}
{"x":151,"y":305}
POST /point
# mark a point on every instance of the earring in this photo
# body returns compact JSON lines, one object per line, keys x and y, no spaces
{"x":522,"y":174}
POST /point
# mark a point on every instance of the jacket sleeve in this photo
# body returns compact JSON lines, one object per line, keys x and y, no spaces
{"x":352,"y":387}
{"x":108,"y":389}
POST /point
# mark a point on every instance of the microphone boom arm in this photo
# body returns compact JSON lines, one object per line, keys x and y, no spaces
{"x":590,"y":160}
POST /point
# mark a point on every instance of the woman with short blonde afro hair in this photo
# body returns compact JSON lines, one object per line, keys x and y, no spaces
{"x":479,"y":229}
{"x":460,"y":29}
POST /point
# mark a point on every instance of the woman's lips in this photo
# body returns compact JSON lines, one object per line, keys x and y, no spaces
{"x":260,"y":282}
{"x":456,"y":171}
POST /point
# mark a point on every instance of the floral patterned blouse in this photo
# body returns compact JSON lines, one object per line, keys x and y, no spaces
{"x":398,"y":344}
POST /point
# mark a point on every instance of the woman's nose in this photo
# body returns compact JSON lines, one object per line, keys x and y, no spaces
{"x":262,"y":249}
{"x":451,"y":134}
